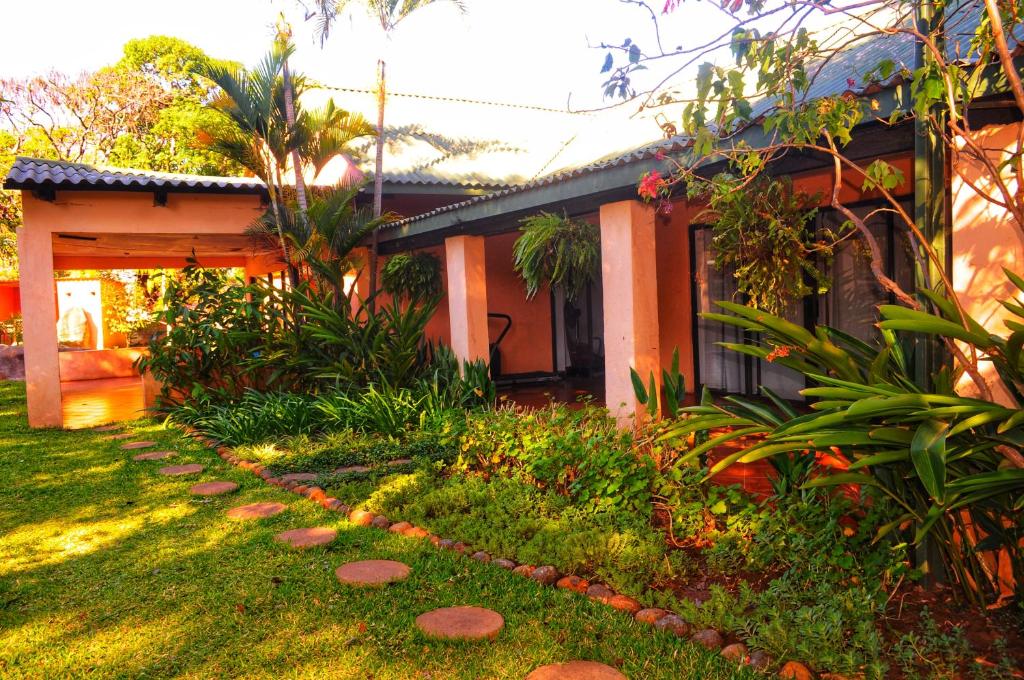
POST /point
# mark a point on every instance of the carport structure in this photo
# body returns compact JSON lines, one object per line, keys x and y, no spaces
{"x":81,"y":217}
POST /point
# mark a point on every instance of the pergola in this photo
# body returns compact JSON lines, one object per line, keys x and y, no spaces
{"x":80,"y":217}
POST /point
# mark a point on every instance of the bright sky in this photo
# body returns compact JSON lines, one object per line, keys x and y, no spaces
{"x":523,"y":51}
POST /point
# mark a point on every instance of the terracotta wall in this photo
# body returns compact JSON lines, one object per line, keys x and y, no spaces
{"x":985,"y":239}
{"x":527,"y":347}
{"x":675,"y":280}
{"x":10,"y":300}
{"x":99,"y":364}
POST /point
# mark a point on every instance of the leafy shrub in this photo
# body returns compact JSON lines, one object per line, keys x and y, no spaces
{"x":256,"y":418}
{"x":576,"y":452}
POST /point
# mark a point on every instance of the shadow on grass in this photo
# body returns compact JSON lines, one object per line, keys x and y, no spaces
{"x":108,"y":569}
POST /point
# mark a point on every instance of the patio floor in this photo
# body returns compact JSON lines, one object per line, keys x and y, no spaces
{"x":88,"y":403}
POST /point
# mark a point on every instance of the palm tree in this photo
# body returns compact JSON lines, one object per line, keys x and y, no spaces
{"x":389,"y":14}
{"x":262,"y":134}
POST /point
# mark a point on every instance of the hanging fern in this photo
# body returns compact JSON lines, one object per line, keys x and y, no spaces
{"x":413,"y":276}
{"x":557,"y":251}
{"x":766,"y":233}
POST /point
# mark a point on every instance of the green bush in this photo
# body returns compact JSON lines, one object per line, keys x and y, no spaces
{"x":577,"y":452}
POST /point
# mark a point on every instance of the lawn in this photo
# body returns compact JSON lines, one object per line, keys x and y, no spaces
{"x":109,"y":569}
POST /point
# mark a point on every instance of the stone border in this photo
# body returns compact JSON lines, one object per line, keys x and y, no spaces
{"x":658,"y":618}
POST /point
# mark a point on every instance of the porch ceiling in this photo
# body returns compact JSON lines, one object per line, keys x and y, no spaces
{"x":151,"y":245}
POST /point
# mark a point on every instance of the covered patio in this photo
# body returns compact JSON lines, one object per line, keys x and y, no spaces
{"x":77,"y":217}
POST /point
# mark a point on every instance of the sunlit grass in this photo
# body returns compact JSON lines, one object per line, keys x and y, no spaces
{"x":108,"y":569}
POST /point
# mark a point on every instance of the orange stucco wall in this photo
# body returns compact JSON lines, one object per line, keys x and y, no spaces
{"x":100,"y":363}
{"x":527,"y":347}
{"x":10,"y":300}
{"x":439,"y":327}
{"x":675,"y":309}
{"x":985,"y":239}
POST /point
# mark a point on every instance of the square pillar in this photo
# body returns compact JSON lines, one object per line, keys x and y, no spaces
{"x":39,"y":315}
{"x":630,"y":286}
{"x":467,"y":297}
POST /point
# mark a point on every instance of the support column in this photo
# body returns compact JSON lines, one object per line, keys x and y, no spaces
{"x":630,"y":285}
{"x":39,"y":315}
{"x":467,"y":297}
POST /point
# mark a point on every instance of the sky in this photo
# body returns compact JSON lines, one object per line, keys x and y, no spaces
{"x":518,"y":51}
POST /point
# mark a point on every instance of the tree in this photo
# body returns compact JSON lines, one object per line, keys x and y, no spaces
{"x":765,"y":70}
{"x":389,"y":14}
{"x":257,"y":131}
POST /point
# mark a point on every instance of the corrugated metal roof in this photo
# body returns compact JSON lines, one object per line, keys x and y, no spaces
{"x":29,"y":173}
{"x":675,"y":145}
{"x":834,"y":78}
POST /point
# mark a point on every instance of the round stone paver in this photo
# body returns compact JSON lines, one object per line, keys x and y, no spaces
{"x":175,"y":470}
{"x":371,"y":572}
{"x":307,"y":538}
{"x":576,"y":670}
{"x":106,"y":428}
{"x":213,"y":488}
{"x":461,"y":623}
{"x":351,"y":469}
{"x":154,"y":455}
{"x":137,"y":445}
{"x":256,"y":510}
{"x":118,"y":437}
{"x":299,"y":477}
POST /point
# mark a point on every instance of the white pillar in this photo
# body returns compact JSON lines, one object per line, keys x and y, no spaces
{"x":467,"y":297}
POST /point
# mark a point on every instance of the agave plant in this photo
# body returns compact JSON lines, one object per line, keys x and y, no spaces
{"x":949,"y":461}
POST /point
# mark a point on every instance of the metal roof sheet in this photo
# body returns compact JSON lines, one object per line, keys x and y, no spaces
{"x":28,"y":173}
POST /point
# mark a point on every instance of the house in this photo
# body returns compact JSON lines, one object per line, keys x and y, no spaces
{"x":657,"y":271}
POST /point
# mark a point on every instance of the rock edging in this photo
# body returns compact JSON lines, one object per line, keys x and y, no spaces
{"x":657,"y":618}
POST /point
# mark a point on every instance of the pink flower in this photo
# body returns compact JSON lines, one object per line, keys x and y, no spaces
{"x":650,"y":185}
{"x":851,"y":83}
{"x":659,"y":155}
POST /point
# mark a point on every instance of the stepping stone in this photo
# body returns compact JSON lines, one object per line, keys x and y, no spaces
{"x":176,"y":470}
{"x":256,"y":510}
{"x":137,"y":445}
{"x":576,"y":670}
{"x":461,"y":623}
{"x":307,"y":538}
{"x":299,"y":477}
{"x":154,"y":455}
{"x":350,"y":469}
{"x":371,"y":572}
{"x":213,"y":488}
{"x":106,"y":428}
{"x":399,"y":461}
{"x":123,"y":435}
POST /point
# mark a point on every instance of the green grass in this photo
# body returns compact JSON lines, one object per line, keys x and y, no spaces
{"x":108,"y":569}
